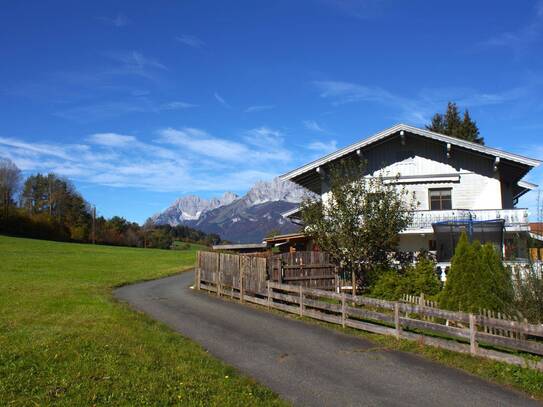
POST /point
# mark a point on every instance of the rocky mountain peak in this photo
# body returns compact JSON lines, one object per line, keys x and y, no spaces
{"x":274,"y":190}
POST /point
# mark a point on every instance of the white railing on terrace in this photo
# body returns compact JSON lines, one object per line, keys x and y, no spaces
{"x":512,"y":217}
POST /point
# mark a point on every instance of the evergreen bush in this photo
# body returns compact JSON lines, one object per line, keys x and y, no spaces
{"x":477,"y":279}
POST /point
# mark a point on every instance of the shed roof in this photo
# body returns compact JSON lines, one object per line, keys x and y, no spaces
{"x":240,"y":246}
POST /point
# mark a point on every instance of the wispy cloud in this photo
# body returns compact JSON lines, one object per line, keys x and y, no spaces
{"x":221,"y":100}
{"x":118,"y":21}
{"x":313,"y":126}
{"x":258,"y":108}
{"x":180,"y":160}
{"x":190,"y":41}
{"x":418,"y":108}
{"x":112,"y":75}
{"x":520,"y":40}
{"x":112,"y":139}
{"x":360,"y":9}
{"x":135,"y":63}
{"x":177,"y":105}
{"x":88,"y":113}
{"x":323,"y":147}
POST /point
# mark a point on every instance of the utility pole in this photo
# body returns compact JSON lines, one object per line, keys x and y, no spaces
{"x":539,"y":216}
{"x":94,"y":225}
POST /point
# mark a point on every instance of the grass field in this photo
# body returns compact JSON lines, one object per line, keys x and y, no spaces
{"x":65,"y":341}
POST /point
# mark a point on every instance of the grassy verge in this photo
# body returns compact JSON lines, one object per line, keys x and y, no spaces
{"x":65,"y":341}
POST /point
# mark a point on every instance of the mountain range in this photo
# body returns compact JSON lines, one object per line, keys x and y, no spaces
{"x":244,"y":219}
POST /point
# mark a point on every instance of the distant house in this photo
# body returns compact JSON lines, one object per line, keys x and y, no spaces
{"x":460,"y":186}
{"x":244,"y":248}
{"x":291,"y":242}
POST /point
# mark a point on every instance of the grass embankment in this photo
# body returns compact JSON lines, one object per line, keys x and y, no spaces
{"x":64,"y":340}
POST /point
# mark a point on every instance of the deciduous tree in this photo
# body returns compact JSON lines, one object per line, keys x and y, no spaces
{"x":10,"y":182}
{"x":360,"y":219}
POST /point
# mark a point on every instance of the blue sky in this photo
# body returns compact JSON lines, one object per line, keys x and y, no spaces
{"x":141,"y":102}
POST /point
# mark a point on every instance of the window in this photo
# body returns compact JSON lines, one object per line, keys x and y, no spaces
{"x":440,"y":199}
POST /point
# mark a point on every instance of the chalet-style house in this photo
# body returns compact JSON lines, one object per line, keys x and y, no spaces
{"x":459,"y":185}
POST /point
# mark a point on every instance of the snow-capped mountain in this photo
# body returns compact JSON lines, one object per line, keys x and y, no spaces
{"x":189,"y":208}
{"x":238,"y":219}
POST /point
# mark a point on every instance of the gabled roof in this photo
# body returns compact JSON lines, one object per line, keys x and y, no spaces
{"x":292,"y":175}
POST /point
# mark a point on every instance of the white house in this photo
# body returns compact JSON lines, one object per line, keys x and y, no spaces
{"x":459,"y":186}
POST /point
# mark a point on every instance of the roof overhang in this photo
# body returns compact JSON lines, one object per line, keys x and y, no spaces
{"x":240,"y":246}
{"x":305,"y":175}
{"x":524,"y":187}
{"x":285,"y":238}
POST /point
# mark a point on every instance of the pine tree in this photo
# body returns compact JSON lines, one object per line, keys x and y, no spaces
{"x":469,"y":130}
{"x":437,"y":125}
{"x":452,"y":125}
{"x":477,"y":279}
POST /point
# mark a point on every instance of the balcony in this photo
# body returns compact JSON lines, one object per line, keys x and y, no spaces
{"x":515,"y":219}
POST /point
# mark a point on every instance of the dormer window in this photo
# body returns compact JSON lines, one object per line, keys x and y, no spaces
{"x":440,"y":199}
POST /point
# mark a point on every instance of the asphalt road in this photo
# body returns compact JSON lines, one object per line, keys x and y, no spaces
{"x":306,"y":364}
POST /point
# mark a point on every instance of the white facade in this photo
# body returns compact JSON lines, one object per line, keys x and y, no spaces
{"x":466,"y":180}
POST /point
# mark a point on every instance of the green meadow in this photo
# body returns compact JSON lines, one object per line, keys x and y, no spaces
{"x":64,"y":340}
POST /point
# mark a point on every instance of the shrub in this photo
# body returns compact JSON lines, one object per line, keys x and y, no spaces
{"x":421,"y":279}
{"x":416,"y":280}
{"x":528,"y":284}
{"x":388,"y":286}
{"x":477,"y":279}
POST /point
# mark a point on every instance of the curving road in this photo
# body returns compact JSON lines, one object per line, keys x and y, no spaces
{"x":307,"y":364}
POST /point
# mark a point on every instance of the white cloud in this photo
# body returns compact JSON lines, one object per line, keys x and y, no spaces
{"x":176,"y":105}
{"x":220,"y":99}
{"x":259,"y":108}
{"x":135,"y":63}
{"x":323,"y":147}
{"x":191,"y":41}
{"x":112,"y":139}
{"x":118,"y":21}
{"x":179,"y":160}
{"x":202,"y":143}
{"x":418,"y":108}
{"x":519,"y":41}
{"x":140,"y":104}
{"x":313,"y":126}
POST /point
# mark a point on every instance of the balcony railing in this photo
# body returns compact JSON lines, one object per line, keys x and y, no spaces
{"x":514,"y":218}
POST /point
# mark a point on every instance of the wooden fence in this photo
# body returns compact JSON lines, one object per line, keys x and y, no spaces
{"x":422,"y":323}
{"x":231,"y":272}
{"x":413,"y":299}
{"x":309,"y":269}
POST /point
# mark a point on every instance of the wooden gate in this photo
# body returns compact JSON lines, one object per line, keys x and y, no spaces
{"x":308,"y":269}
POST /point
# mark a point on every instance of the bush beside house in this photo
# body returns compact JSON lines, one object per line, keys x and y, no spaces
{"x":477,"y":280}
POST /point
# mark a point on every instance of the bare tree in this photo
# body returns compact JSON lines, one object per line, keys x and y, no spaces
{"x":10,"y":182}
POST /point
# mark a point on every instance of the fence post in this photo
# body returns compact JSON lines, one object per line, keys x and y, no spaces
{"x":397,"y":320}
{"x":198,"y":270}
{"x":301,"y":300}
{"x":241,"y":290}
{"x":343,"y":316}
{"x":218,"y":275}
{"x":353,"y":278}
{"x":472,"y":334}
{"x":269,"y":294}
